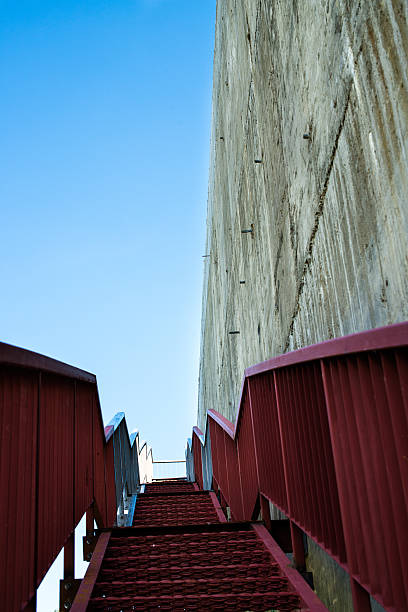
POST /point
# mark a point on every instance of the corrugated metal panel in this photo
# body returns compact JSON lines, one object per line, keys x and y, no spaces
{"x":329,"y":447}
{"x":267,"y":439}
{"x":247,"y":459}
{"x":198,"y":466}
{"x":110,"y":487}
{"x":307,"y":455}
{"x":222,"y":465}
{"x":234,"y":496}
{"x":190,"y":462}
{"x":83,"y":448}
{"x":99,"y":487}
{"x":18,"y":441}
{"x":215,"y":448}
{"x":55,"y":468}
{"x":368,"y":412}
{"x":53,"y":462}
{"x":207,"y":462}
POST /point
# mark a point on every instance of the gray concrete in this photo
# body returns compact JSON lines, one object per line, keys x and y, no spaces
{"x":328,"y":252}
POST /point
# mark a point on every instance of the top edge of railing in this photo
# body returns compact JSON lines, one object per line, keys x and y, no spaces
{"x":380,"y":338}
{"x":115,"y":423}
{"x":15,"y":356}
{"x":197,"y":431}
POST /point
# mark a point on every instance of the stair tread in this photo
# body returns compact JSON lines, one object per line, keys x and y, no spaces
{"x":285,"y":601}
{"x":206,"y":569}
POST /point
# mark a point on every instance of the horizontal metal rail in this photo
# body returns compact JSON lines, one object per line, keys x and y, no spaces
{"x":322,"y":433}
{"x":168,"y":469}
{"x":171,"y":461}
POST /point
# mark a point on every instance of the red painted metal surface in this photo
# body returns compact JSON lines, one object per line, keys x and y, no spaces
{"x":54,"y":463}
{"x":323,"y":434}
{"x":307,"y":456}
{"x":368,"y":414}
{"x":55,"y":468}
{"x":234,"y":493}
{"x":267,"y":439}
{"x":198,"y":463}
{"x":218,"y":509}
{"x":247,"y":459}
{"x":84,"y":593}
{"x":184,"y":565}
{"x":310,"y":599}
{"x":18,"y":450}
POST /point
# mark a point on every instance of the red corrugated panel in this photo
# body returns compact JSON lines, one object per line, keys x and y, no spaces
{"x":247,"y":459}
{"x":234,"y":498}
{"x":368,"y":411}
{"x":46,"y":472}
{"x":222,"y":464}
{"x":267,"y":439}
{"x":307,"y":455}
{"x":198,"y":464}
{"x":358,"y":384}
{"x":56,"y":461}
{"x":18,"y":439}
{"x":83,"y":448}
{"x":110,"y":483}
{"x":98,"y":435}
{"x":215,"y":449}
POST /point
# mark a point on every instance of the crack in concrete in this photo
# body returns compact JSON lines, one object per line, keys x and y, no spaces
{"x":317,"y":217}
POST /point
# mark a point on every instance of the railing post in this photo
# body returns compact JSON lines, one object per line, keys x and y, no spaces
{"x":266,"y":513}
{"x":298,"y":546}
{"x":69,"y":585}
{"x":361,"y":598}
{"x":69,"y":557}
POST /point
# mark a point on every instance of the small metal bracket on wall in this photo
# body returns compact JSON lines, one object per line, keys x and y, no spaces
{"x":68,"y":590}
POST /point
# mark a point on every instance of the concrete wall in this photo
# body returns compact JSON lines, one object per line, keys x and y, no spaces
{"x":328,"y":252}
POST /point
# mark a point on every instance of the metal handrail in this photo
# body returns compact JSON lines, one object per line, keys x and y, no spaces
{"x":322,"y":434}
{"x":57,"y":462}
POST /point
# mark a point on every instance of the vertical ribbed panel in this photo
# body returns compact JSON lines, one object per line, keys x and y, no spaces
{"x":206,"y":460}
{"x":215,"y":448}
{"x":222,"y":466}
{"x":83,"y":449}
{"x":367,"y":405}
{"x":311,"y":482}
{"x":54,"y":460}
{"x":267,"y":439}
{"x":56,"y":468}
{"x":323,"y":433}
{"x":247,"y":458}
{"x":198,"y":463}
{"x":234,"y":498}
{"x":18,"y":443}
{"x":110,"y":487}
{"x":99,"y":487}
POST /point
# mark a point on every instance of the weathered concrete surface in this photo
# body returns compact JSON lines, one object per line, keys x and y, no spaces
{"x":328,"y":253}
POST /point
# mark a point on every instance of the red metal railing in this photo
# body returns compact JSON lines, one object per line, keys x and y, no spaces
{"x":55,"y":464}
{"x":197,"y":456}
{"x":322,"y":433}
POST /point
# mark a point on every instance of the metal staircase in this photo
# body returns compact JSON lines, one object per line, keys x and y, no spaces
{"x":182,"y":554}
{"x":318,"y":449}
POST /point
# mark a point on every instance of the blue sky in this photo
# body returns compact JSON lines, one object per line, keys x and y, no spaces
{"x":105,"y":126}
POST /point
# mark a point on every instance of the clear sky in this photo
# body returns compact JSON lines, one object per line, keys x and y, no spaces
{"x":105,"y":113}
